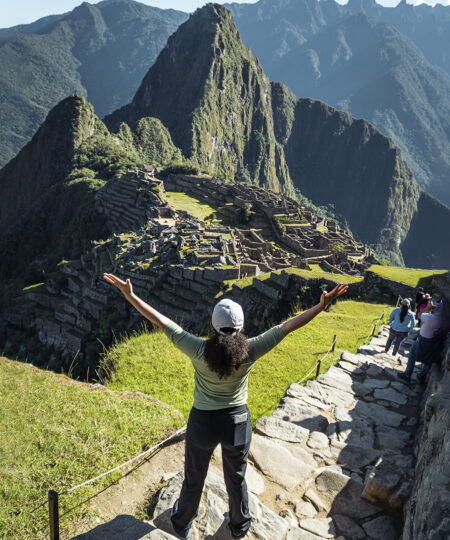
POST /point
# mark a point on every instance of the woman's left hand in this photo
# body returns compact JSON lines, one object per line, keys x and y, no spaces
{"x":328,"y":297}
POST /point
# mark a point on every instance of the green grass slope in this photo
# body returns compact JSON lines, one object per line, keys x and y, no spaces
{"x":416,"y":277}
{"x":56,"y":433}
{"x":151,"y":364}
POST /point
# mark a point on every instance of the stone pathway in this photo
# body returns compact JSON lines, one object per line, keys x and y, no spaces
{"x":335,"y":459}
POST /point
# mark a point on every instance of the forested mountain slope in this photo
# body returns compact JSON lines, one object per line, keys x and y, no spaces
{"x":101,"y":51}
{"x":353,"y":58}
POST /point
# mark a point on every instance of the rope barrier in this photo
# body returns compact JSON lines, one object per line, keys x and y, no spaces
{"x":309,"y":373}
{"x":372,"y":332}
{"x":141,"y":455}
{"x":37,"y":507}
{"x":317,"y":364}
{"x":331,"y":348}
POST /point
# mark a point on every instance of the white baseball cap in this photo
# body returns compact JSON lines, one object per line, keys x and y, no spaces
{"x":227,"y":314}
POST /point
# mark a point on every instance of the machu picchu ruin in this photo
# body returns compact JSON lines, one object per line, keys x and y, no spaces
{"x":177,"y":261}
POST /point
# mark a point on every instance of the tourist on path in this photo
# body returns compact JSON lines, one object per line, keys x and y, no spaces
{"x":423,"y":303}
{"x":220,"y":414}
{"x":424,"y":347}
{"x":401,"y":321}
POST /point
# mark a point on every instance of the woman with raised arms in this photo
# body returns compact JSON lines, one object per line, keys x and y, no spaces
{"x":219,"y":414}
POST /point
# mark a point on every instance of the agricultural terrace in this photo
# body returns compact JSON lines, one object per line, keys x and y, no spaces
{"x":195,"y":207}
{"x":416,"y":277}
{"x":316,"y":273}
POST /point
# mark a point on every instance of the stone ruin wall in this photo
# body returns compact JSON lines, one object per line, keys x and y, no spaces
{"x":308,"y":240}
{"x":427,"y":511}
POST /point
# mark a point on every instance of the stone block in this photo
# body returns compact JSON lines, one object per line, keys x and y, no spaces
{"x":389,"y":394}
{"x":353,"y":457}
{"x":305,"y":509}
{"x":377,"y":414}
{"x":344,"y":494}
{"x":210,"y":521}
{"x":350,"y":528}
{"x":317,"y":440}
{"x":305,"y":417}
{"x":382,"y":528}
{"x":277,"y":428}
{"x":277,"y":463}
{"x":295,"y":533}
{"x":322,"y":527}
{"x":386,"y":476}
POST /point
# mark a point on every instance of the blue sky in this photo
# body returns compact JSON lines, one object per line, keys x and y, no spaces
{"x":14,"y":12}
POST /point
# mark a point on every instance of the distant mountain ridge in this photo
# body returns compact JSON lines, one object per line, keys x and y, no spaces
{"x":101,"y":51}
{"x":311,"y":46}
{"x":351,"y":57}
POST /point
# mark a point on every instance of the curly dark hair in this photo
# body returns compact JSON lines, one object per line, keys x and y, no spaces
{"x":225,"y":353}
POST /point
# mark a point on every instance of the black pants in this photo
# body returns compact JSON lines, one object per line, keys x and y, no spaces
{"x":232,"y":428}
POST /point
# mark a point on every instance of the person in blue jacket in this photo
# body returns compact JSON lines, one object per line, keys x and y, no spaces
{"x":401,"y":321}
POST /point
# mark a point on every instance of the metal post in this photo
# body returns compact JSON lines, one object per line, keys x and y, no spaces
{"x":53,"y":514}
{"x":334,"y":342}
{"x":318,"y":368}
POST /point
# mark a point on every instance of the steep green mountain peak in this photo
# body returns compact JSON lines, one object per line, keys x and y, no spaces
{"x":47,"y":192}
{"x":211,"y":93}
{"x":47,"y":158}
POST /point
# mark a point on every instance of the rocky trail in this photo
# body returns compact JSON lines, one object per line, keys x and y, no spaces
{"x":335,"y":460}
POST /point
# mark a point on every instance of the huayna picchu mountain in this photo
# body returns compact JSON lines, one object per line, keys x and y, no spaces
{"x":210,"y":92}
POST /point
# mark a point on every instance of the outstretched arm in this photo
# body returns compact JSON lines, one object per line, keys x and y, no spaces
{"x":303,"y":318}
{"x":144,"y":309}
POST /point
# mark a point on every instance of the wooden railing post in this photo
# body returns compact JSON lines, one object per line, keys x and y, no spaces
{"x":334,"y":342}
{"x":53,"y":514}
{"x":318,"y":368}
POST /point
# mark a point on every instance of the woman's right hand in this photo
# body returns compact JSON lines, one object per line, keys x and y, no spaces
{"x":125,"y":287}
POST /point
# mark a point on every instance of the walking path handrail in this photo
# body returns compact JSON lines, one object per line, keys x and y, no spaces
{"x":318,"y":363}
{"x":141,"y":455}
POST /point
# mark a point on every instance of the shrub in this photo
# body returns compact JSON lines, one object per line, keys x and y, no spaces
{"x":279,"y":226}
{"x":179,"y":168}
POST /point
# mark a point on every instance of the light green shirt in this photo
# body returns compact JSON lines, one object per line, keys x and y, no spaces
{"x":210,"y":392}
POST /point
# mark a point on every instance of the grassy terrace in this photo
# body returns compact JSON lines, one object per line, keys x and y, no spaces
{"x":151,"y":364}
{"x":416,"y":277}
{"x":316,"y":273}
{"x":182,"y":201}
{"x":56,"y":433}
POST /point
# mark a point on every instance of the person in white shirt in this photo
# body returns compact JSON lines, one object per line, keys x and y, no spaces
{"x":423,"y":349}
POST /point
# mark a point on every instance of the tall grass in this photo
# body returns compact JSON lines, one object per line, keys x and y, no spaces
{"x":56,"y":433}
